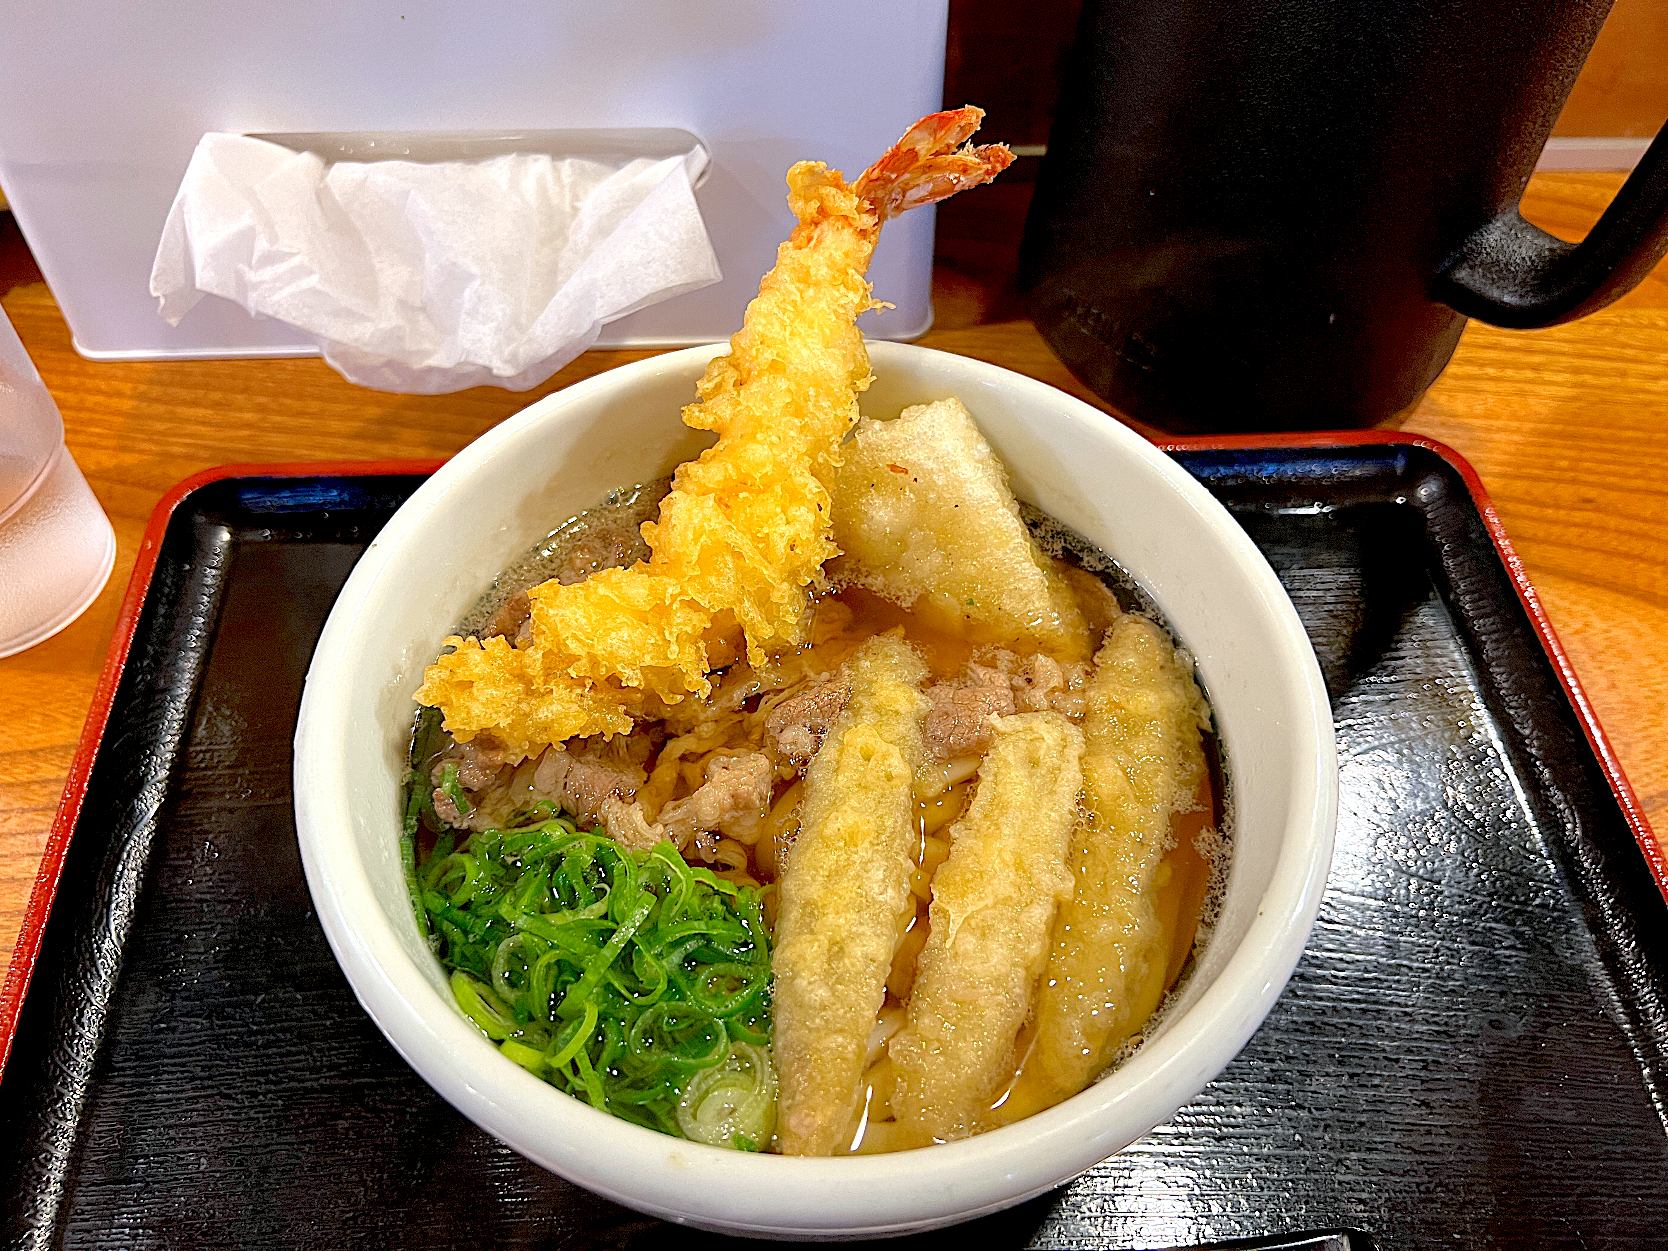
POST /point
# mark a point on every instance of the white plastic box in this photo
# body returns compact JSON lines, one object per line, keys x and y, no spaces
{"x":103,"y":101}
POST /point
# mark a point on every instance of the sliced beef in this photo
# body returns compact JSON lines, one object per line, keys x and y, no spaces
{"x":1045,"y":685}
{"x":446,"y":810}
{"x":511,"y":619}
{"x":480,"y":767}
{"x":602,"y":547}
{"x":795,"y":728}
{"x":627,"y":825}
{"x":479,"y":764}
{"x":580,"y":781}
{"x":736,"y":792}
{"x":957,"y":722}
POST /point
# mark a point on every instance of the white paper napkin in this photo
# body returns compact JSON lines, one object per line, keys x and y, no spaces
{"x":433,"y":277}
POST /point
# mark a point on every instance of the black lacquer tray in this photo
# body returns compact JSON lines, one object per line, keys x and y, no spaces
{"x":1471,"y":1053}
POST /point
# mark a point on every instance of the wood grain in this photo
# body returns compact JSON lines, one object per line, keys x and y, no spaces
{"x":1568,"y":428}
{"x":1623,"y":87}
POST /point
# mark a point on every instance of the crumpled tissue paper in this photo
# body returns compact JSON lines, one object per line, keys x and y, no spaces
{"x":433,"y":277}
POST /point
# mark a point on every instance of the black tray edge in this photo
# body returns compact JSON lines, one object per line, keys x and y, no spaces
{"x":27,"y":948}
{"x":1626,"y":798}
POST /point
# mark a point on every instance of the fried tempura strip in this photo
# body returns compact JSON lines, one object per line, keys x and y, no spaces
{"x":924,"y":515}
{"x":993,"y":907}
{"x":745,"y":529}
{"x":844,"y":889}
{"x":1142,"y":763}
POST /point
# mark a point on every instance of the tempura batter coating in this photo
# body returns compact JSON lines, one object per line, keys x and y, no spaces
{"x":1143,"y":762}
{"x":745,"y":530}
{"x":993,"y":907}
{"x":845,"y":887}
{"x":923,"y":512}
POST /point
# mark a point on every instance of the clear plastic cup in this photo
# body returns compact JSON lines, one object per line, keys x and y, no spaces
{"x":56,"y":544}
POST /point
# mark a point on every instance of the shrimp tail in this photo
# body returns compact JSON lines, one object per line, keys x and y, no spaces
{"x":929,"y":164}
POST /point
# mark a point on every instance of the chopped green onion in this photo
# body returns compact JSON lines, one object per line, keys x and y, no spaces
{"x":732,"y":1104}
{"x":416,"y":797}
{"x":481,"y":1006}
{"x":453,"y":789}
{"x":530,"y":1058}
{"x":631,"y":980}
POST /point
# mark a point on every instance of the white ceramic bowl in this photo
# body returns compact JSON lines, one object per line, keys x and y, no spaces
{"x":509,"y":488}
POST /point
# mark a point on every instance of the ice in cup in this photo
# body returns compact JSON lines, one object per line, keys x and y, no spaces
{"x":56,"y":544}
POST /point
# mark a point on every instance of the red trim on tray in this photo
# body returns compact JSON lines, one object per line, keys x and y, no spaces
{"x":1653,"y":851}
{"x":98,"y":715}
{"x":75,"y":786}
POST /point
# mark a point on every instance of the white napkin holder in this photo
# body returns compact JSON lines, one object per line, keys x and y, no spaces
{"x":103,"y":103}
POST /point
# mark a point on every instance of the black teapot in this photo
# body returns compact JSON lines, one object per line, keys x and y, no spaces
{"x":1277,"y":214}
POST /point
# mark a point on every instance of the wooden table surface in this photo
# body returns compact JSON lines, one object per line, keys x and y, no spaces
{"x":1567,"y":427}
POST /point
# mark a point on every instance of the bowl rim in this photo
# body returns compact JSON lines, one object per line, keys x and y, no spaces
{"x":947,"y":1183}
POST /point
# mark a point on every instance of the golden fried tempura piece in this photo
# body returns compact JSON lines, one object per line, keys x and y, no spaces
{"x":845,"y":888}
{"x":1142,"y":763}
{"x":923,"y":512}
{"x":745,"y":529}
{"x":993,"y":907}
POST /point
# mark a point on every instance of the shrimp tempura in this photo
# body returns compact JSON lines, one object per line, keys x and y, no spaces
{"x":745,"y":530}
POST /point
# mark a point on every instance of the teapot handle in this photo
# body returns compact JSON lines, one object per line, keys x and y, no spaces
{"x":1513,"y":274}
